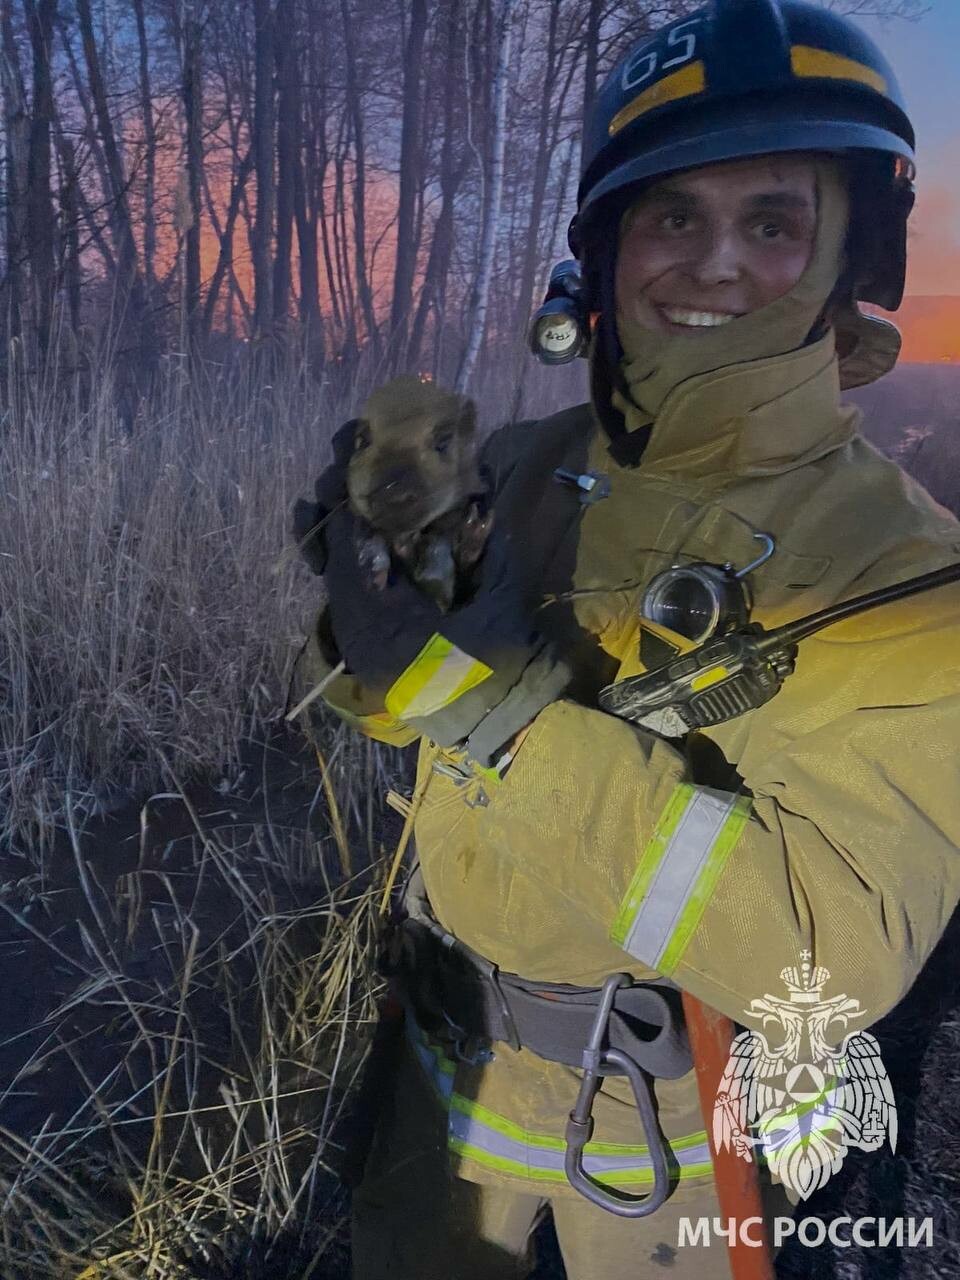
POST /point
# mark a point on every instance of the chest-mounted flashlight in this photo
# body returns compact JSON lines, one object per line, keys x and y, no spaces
{"x":702,"y":600}
{"x":560,"y":330}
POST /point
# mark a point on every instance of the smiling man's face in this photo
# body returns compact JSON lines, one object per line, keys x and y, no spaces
{"x":702,"y":247}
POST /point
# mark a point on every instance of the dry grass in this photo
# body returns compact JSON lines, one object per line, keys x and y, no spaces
{"x":144,"y":599}
{"x":210,"y":1013}
{"x":211,"y":1032}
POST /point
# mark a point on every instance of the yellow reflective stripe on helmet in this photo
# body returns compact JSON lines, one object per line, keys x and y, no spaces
{"x":682,"y":84}
{"x":480,"y":1134}
{"x":677,"y":874}
{"x":438,"y":675}
{"x":808,"y":62}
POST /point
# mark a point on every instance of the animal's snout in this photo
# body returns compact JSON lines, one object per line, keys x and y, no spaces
{"x":399,"y":484}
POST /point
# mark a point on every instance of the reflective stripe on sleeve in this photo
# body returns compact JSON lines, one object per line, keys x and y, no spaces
{"x":677,"y":874}
{"x":380,"y":726}
{"x":437,"y":676}
{"x":477,"y":1133}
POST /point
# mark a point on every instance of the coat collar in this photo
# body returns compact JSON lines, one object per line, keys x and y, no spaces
{"x":758,"y":418}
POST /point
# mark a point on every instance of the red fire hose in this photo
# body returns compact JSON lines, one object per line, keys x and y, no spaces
{"x":738,"y":1186}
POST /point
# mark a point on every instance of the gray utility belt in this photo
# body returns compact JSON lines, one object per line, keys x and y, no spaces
{"x":465,"y":999}
{"x":623,"y":1028}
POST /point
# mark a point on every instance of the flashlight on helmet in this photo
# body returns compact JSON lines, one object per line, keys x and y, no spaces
{"x":560,"y":330}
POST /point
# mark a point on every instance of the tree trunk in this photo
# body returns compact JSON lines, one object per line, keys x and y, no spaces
{"x":70,"y":224}
{"x":452,"y":173}
{"x":541,"y":168}
{"x":477,"y":319}
{"x":91,"y":136}
{"x":311,"y":317}
{"x":17,"y":129}
{"x":129,"y":284}
{"x":339,"y":314}
{"x":288,"y":150}
{"x":79,"y":202}
{"x":411,"y":163}
{"x":351,"y":339}
{"x":193,"y":113}
{"x":150,"y":157}
{"x":40,"y":220}
{"x":592,"y":56}
{"x":359,"y":199}
{"x":225,"y":256}
{"x":263,"y":146}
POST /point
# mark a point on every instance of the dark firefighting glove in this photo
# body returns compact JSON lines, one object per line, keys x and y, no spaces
{"x":472,"y":676}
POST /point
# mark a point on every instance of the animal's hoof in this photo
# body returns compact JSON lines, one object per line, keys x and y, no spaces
{"x":473,"y":537}
{"x":406,"y":546}
{"x":373,"y":558}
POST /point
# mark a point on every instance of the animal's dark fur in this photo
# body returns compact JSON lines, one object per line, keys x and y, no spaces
{"x":414,"y":482}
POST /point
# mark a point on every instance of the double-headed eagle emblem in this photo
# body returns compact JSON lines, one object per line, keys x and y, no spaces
{"x":807,"y":1087}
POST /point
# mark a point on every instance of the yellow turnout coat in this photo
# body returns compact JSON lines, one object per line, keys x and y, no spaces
{"x":826,"y":821}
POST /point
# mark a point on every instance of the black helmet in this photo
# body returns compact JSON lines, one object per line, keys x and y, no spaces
{"x":742,"y":78}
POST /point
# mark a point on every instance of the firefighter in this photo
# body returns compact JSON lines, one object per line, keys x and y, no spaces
{"x":746,"y":181}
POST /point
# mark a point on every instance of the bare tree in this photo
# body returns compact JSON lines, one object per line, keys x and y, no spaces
{"x":17,"y":129}
{"x":263,"y":146}
{"x":192,"y":87}
{"x":288,"y":154}
{"x":40,"y":217}
{"x":477,"y":316}
{"x":150,"y":154}
{"x":592,"y":44}
{"x":309,"y":166}
{"x":358,"y":195}
{"x":129,"y":284}
{"x":411,"y":163}
{"x":453,"y":169}
{"x":293,"y":117}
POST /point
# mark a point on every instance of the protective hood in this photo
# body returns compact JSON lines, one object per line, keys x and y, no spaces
{"x":654,"y":364}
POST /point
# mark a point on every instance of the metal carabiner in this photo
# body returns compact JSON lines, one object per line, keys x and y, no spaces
{"x":460,"y":1042}
{"x":579,"y":1128}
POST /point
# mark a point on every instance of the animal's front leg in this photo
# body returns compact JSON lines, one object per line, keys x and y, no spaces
{"x":435,"y":570}
{"x":373,"y":556}
{"x":472,"y":536}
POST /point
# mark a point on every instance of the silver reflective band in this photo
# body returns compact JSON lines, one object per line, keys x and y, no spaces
{"x":477,"y":1133}
{"x":473,"y":1137}
{"x":677,"y":874}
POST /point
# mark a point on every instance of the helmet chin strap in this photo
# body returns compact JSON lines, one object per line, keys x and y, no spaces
{"x":654,"y":363}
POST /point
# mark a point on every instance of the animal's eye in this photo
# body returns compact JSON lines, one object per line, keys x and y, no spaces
{"x":442,"y":441}
{"x":361,"y":439}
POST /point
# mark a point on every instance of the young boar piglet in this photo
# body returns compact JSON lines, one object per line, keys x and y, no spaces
{"x":414,"y":483}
